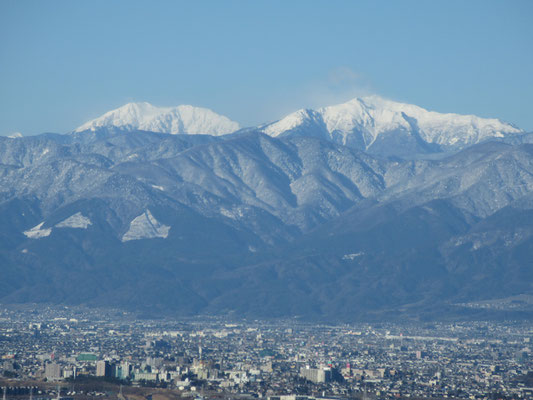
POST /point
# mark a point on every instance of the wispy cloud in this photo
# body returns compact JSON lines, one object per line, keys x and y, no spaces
{"x":336,"y":86}
{"x":343,"y":75}
{"x":341,"y":84}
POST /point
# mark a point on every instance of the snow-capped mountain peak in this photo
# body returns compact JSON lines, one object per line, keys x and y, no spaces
{"x":372,"y":122}
{"x":181,"y":119}
{"x":300,"y":118}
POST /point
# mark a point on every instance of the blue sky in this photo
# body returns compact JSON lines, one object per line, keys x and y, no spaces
{"x":65,"y":62}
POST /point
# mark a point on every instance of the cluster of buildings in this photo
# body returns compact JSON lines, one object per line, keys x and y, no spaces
{"x":281,"y":360}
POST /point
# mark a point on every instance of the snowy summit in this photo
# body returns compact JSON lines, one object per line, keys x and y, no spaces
{"x":181,"y":119}
{"x":373,"y":122}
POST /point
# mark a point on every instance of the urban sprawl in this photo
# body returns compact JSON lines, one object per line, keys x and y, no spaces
{"x":49,"y":352}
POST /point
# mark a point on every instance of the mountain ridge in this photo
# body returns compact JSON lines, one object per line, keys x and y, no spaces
{"x":371,"y":122}
{"x":183,"y":119}
{"x":253,"y":224}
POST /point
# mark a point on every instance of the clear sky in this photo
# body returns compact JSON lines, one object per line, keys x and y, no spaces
{"x":65,"y":62}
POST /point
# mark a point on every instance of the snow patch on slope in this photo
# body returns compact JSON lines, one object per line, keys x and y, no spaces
{"x":176,"y":120}
{"x":145,"y":226}
{"x":36,"y":232}
{"x":353,"y":256}
{"x":75,"y":221}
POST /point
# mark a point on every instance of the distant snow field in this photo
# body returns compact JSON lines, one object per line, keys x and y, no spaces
{"x":74,"y":221}
{"x":145,"y":226}
{"x":36,"y":232}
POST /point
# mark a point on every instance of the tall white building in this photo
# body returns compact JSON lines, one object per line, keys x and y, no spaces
{"x":102,"y":368}
{"x":316,"y":375}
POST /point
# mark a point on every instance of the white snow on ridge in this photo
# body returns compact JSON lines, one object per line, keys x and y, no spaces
{"x":358,"y":122}
{"x":372,"y":116}
{"x":292,"y":121}
{"x":176,"y":120}
{"x":36,"y":232}
{"x":75,"y":221}
{"x":145,"y":226}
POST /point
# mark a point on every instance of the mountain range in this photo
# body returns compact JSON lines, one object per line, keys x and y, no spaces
{"x":371,"y":209}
